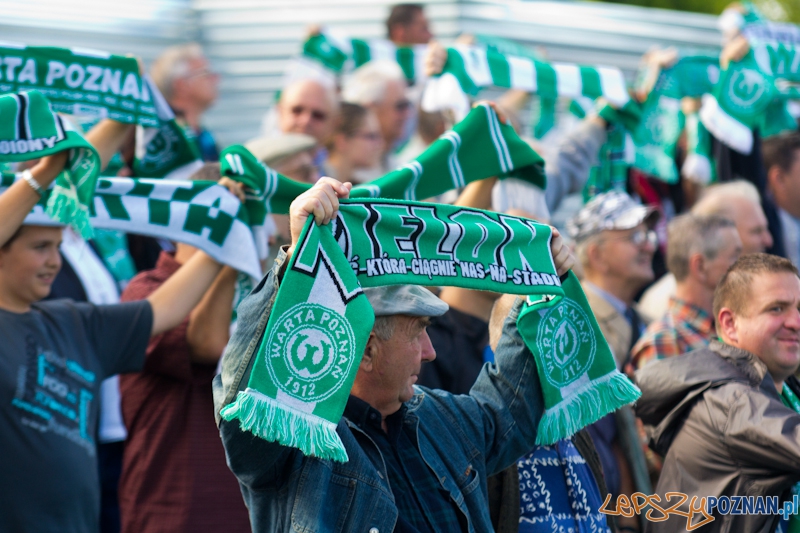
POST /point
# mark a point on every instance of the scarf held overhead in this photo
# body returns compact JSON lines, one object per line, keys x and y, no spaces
{"x":80,"y":81}
{"x":469,"y":69}
{"x":29,"y":130}
{"x":319,"y":325}
{"x":478,"y":147}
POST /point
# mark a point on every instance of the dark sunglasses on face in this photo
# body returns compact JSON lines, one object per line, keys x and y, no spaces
{"x":317,"y":115}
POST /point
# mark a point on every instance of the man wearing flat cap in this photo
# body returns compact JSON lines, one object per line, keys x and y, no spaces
{"x":418,"y":459}
{"x":615,"y":243}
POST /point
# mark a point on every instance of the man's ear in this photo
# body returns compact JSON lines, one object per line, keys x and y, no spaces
{"x":370,"y":353}
{"x":697,"y":264}
{"x":775,"y":178}
{"x":726,"y":326}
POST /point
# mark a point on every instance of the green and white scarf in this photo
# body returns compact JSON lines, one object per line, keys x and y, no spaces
{"x":80,"y":82}
{"x":579,"y":379}
{"x":478,"y":147}
{"x":469,"y":69}
{"x":200,"y":213}
{"x":790,"y":400}
{"x":656,"y":137}
{"x":698,"y":165}
{"x":319,"y":325}
{"x":752,"y":93}
{"x":29,"y":130}
{"x":340,"y":54}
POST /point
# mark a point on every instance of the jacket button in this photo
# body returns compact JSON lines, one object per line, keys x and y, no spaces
{"x":373,"y":530}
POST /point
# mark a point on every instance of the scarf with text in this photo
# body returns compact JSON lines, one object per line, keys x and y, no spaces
{"x":30,"y":130}
{"x":80,"y":81}
{"x":469,"y":69}
{"x":318,"y":328}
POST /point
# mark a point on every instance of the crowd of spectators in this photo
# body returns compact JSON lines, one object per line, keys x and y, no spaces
{"x":706,"y":322}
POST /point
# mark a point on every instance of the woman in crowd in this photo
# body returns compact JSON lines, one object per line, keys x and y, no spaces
{"x":356,"y":144}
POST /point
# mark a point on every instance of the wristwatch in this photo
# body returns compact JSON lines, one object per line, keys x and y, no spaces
{"x":27,"y":175}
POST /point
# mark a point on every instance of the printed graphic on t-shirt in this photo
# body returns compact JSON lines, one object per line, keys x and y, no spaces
{"x":54,"y":394}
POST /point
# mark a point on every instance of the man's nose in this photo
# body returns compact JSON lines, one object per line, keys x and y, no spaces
{"x":428,"y":353}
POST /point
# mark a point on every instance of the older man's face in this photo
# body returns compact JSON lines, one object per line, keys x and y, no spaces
{"x":307,"y":108}
{"x":400,"y":359}
{"x":628,"y":255}
{"x":393,"y":111}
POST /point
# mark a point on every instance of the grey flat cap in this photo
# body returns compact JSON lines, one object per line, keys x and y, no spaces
{"x":268,"y":150}
{"x":410,"y":300}
{"x":613,"y":210}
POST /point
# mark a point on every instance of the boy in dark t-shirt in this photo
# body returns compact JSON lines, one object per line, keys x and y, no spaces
{"x":54,"y":355}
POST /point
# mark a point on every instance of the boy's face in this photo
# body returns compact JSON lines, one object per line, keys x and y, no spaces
{"x":28,"y":266}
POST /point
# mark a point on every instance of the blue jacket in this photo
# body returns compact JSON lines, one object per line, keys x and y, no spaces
{"x":462,"y":438}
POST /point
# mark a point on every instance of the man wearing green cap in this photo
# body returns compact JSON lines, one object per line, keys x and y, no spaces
{"x":55,"y":355}
{"x":418,"y":458}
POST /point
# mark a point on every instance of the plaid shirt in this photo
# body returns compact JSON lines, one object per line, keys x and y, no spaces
{"x":682,"y":329}
{"x":423,"y":505}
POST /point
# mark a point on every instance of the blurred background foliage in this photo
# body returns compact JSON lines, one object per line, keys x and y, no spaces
{"x":777,"y":10}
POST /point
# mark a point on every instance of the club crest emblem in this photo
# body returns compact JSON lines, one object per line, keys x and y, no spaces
{"x":312,"y":347}
{"x":746,"y":88}
{"x":567,"y":343}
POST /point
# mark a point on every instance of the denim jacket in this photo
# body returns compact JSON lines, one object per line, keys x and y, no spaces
{"x":462,"y":438}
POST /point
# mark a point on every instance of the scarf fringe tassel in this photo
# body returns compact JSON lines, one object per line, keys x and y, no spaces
{"x":586,"y":406}
{"x":277,"y":422}
{"x":63,"y":206}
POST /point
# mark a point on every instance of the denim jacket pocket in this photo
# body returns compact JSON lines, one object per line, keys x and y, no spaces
{"x":323,"y":500}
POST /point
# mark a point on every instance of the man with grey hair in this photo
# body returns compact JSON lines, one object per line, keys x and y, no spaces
{"x":417,"y":458}
{"x":738,"y":201}
{"x":615,"y":243}
{"x":381,"y":86}
{"x":183,"y":75}
{"x":700,"y":249}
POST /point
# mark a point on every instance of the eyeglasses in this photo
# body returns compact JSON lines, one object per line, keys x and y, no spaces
{"x":204,"y":72}
{"x":639,"y":237}
{"x":402,"y":106}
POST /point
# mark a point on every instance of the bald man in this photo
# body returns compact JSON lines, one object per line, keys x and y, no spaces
{"x":308,"y":107}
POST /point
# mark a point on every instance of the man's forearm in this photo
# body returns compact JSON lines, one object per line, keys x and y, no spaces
{"x":107,"y":138}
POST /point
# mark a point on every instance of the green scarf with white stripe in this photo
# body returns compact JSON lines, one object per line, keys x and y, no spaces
{"x":469,"y":69}
{"x":340,"y":54}
{"x":200,"y":213}
{"x":319,"y":325}
{"x":476,"y":148}
{"x":699,"y":163}
{"x":752,"y":94}
{"x":30,"y":130}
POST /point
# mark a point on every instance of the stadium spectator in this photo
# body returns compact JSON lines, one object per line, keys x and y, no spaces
{"x":615,"y":243}
{"x":47,"y":455}
{"x":700,"y":249}
{"x":357,"y":143}
{"x":174,"y":474}
{"x":381,"y":87}
{"x":782,"y":163}
{"x":393,"y":480}
{"x":185,"y":78}
{"x":735,"y":200}
{"x":407,"y":25}
{"x":726,"y":416}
